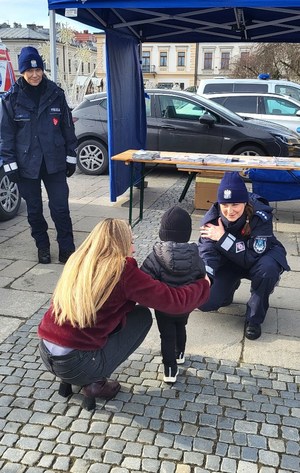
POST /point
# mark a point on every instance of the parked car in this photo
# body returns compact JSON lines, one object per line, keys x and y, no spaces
{"x":10,"y":198}
{"x":272,"y":107}
{"x":180,"y":121}
{"x":270,"y":86}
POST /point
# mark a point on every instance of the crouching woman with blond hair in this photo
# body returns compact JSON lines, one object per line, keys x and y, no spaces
{"x":93,"y":323}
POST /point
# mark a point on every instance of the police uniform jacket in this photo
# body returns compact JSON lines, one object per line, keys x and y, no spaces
{"x":174,"y":263}
{"x":243,"y":251}
{"x":31,"y":133}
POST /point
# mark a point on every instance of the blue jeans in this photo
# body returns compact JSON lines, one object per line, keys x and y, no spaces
{"x":85,"y":367}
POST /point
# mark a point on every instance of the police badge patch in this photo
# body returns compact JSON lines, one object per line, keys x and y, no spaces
{"x":240,"y":246}
{"x":227,"y":194}
{"x":260,"y":244}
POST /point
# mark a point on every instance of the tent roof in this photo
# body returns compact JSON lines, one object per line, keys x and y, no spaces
{"x":200,"y":21}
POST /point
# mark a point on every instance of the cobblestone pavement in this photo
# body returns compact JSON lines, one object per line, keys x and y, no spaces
{"x":220,"y":415}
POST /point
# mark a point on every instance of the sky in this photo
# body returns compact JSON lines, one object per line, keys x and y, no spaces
{"x":33,"y":11}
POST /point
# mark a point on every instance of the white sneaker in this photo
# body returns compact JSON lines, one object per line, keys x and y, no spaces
{"x":181,"y":359}
{"x":170,"y":374}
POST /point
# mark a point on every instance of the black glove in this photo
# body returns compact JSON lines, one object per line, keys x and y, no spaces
{"x":71,"y":168}
{"x":13,"y":176}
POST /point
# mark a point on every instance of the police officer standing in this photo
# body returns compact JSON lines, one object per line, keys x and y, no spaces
{"x":38,"y":143}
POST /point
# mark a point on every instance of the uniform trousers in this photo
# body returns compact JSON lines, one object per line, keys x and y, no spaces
{"x":58,"y":195}
{"x":80,"y":367}
{"x":264,"y":275}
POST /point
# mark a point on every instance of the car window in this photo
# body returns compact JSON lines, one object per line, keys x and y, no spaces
{"x":148,"y":106}
{"x":182,"y":109}
{"x":276,"y":106}
{"x":242,"y":104}
{"x":248,"y":87}
{"x":103,"y":108}
{"x":288,"y":90}
{"x":217,"y":88}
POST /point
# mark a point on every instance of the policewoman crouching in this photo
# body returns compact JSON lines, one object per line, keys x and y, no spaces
{"x":237,"y":241}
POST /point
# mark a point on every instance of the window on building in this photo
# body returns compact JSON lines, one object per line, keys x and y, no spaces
{"x":82,"y":68}
{"x":89,"y":67}
{"x":208,"y":57}
{"x":57,"y":61}
{"x":244,"y":56}
{"x":163,"y":59}
{"x":181,"y":59}
{"x":70,"y":65}
{"x":225,"y":59}
{"x":146,"y":61}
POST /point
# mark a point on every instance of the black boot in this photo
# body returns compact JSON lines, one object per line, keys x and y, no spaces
{"x":44,"y":255}
{"x":64,"y":255}
{"x":104,"y":389}
{"x":252,"y":331}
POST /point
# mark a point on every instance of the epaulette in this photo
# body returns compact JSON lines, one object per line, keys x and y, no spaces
{"x":263,"y":215}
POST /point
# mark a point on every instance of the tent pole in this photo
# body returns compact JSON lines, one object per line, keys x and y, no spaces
{"x":53,"y":65}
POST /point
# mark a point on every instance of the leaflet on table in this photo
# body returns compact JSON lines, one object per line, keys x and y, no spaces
{"x":145,"y":155}
{"x":287,"y":162}
{"x":206,"y":159}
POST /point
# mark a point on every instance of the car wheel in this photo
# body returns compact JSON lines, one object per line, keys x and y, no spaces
{"x":10,"y":198}
{"x":92,"y":157}
{"x":250,"y":151}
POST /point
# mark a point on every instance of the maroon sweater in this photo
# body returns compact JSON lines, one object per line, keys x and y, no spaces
{"x":134,"y":286}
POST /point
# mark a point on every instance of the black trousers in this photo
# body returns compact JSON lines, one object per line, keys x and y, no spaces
{"x":172,"y":331}
{"x":264,"y":275}
{"x":85,"y":367}
{"x":58,"y":195}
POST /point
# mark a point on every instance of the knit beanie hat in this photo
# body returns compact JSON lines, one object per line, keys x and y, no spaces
{"x":232,"y":189}
{"x":176,"y":225}
{"x":30,"y":59}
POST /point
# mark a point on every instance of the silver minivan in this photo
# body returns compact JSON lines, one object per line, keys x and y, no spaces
{"x":222,"y":86}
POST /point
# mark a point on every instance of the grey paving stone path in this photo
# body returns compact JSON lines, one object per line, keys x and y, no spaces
{"x":224,"y":413}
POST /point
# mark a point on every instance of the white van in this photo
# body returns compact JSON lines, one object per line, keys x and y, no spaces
{"x":222,"y":86}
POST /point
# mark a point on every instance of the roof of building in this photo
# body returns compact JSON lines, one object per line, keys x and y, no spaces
{"x":22,"y":33}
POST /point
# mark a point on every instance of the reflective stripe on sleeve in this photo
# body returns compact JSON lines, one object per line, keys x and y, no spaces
{"x":71,"y":159}
{"x":209,"y":270}
{"x":228,"y":242}
{"x":10,"y":167}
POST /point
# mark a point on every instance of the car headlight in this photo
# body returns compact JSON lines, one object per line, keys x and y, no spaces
{"x":289,"y":140}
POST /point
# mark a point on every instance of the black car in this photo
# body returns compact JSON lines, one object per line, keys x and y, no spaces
{"x":181,"y":121}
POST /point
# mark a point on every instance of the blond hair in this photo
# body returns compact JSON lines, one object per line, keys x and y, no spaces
{"x":91,"y":273}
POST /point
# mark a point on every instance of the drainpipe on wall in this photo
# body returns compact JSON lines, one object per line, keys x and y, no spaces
{"x":196,"y":65}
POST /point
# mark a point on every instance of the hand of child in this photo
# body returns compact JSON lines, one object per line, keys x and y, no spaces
{"x":207,"y":279}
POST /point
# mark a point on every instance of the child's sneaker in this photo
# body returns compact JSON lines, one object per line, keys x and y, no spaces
{"x":180,"y":359}
{"x":171,"y":373}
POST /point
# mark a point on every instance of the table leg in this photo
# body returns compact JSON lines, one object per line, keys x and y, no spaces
{"x":186,"y":187}
{"x":141,"y":185}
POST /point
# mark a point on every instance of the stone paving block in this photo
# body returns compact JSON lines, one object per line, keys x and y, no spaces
{"x":247,"y":467}
{"x":16,"y":269}
{"x":21,"y":304}
{"x":269,"y":458}
{"x":150,"y":465}
{"x":8,"y":325}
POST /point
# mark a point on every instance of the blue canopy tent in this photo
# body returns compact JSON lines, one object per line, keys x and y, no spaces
{"x":127,"y":23}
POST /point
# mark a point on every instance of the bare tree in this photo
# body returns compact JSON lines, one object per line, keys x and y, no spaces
{"x":280,"y":60}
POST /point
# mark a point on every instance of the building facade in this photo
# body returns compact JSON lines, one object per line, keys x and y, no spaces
{"x":76,"y":57}
{"x":182,"y":66}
